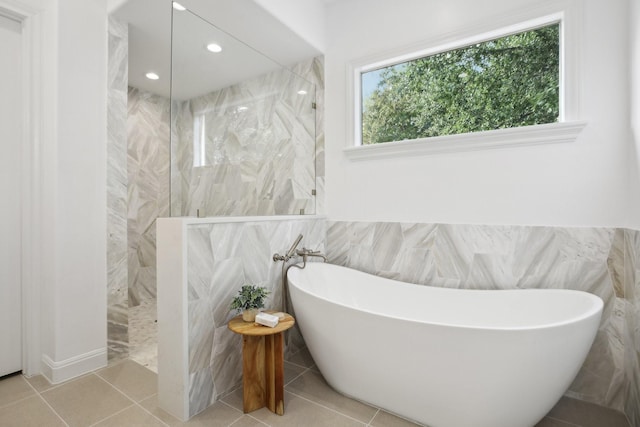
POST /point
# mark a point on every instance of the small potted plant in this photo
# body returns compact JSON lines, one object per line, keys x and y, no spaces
{"x":249,"y":301}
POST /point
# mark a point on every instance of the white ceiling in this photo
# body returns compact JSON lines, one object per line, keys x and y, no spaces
{"x":242,"y":28}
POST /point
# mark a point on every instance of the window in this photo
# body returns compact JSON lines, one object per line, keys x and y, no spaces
{"x":473,"y":89}
{"x":507,"y":82}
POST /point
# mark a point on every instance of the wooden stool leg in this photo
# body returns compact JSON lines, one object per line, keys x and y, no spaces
{"x":274,"y":367}
{"x":253,"y":373}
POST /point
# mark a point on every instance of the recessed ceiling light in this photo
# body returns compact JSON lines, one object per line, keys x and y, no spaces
{"x":178,"y":6}
{"x":241,"y":109}
{"x":302,"y":92}
{"x":214,"y":47}
{"x":152,"y":76}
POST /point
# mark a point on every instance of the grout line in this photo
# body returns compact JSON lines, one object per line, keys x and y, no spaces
{"x":230,"y":406}
{"x":45,"y":401}
{"x":6,"y":405}
{"x":151,"y":413}
{"x":112,"y":415}
{"x":237,"y":419}
{"x":134,"y":401}
{"x":55,"y":386}
{"x":562,"y":421}
{"x":260,"y":421}
{"x":330,"y":409}
{"x":298,"y":365}
{"x":374,"y":417}
{"x":53,"y":410}
{"x":298,"y":376}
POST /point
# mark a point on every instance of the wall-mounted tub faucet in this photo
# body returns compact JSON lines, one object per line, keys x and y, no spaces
{"x":304,"y":253}
{"x":290,"y":253}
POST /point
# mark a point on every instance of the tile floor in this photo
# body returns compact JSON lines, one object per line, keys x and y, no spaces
{"x":124,"y":394}
{"x":143,"y":334}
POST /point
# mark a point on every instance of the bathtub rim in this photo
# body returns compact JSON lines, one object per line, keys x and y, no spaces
{"x":595,"y":309}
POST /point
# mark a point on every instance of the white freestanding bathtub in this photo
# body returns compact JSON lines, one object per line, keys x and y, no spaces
{"x":444,"y":357}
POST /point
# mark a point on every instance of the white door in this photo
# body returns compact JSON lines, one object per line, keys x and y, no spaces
{"x":10,"y":179}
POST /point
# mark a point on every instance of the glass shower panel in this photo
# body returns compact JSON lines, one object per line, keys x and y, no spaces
{"x":242,"y":128}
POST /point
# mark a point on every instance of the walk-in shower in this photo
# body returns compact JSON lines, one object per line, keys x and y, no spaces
{"x":232,"y":133}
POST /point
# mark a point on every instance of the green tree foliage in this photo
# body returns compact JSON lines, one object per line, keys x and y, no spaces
{"x":507,"y":82}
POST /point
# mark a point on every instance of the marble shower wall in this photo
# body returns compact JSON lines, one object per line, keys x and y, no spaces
{"x":221,"y":258}
{"x":148,"y":160}
{"x":117,"y":303}
{"x":261,"y":142}
{"x":603,"y":261}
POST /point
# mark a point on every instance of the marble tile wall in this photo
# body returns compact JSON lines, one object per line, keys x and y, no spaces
{"x":261,"y":142}
{"x":603,"y":261}
{"x":117,"y":324}
{"x":221,"y":258}
{"x":148,"y":167}
{"x":629,"y":281}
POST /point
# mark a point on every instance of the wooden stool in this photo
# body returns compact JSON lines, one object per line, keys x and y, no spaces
{"x":262,"y":363}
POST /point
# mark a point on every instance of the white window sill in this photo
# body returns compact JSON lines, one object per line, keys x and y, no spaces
{"x":513,"y":137}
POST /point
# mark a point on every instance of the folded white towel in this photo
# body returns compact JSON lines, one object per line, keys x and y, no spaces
{"x":267,"y":319}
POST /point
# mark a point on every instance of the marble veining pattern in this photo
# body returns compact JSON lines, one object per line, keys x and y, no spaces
{"x":221,"y":258}
{"x":603,"y":261}
{"x":148,"y":160}
{"x":262,"y":146}
{"x":117,"y":275}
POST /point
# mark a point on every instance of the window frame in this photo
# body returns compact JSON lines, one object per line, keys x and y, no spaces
{"x":566,"y":129}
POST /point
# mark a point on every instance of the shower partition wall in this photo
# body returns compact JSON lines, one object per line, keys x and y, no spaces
{"x":243,"y":128}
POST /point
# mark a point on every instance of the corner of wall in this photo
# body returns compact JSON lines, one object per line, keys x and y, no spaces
{"x":57,"y":372}
{"x":307,"y":19}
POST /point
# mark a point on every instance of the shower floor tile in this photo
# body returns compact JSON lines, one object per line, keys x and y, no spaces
{"x":143,"y":334}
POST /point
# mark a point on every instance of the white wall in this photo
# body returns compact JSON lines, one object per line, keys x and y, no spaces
{"x":10,"y":211}
{"x":80,"y":208}
{"x":66,"y":293}
{"x":584,"y":183}
{"x":306,"y":18}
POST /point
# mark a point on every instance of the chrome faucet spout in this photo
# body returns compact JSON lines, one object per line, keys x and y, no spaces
{"x":304,"y":253}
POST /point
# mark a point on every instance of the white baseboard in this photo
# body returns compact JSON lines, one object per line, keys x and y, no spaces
{"x":57,"y":372}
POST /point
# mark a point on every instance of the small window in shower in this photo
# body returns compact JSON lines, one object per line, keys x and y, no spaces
{"x":199,"y":139}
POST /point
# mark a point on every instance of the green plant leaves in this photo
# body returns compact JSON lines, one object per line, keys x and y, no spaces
{"x":249,"y":296}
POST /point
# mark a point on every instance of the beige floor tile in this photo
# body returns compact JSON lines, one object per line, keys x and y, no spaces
{"x":587,"y":414}
{"x":134,"y":380}
{"x":291,"y":372}
{"x":248,"y":421}
{"x":133,"y":416}
{"x":234,"y":399}
{"x":86,"y":400}
{"x":551,"y":422}
{"x":301,"y":412}
{"x":40,"y":383}
{"x":30,"y":412}
{"x":151,"y":405}
{"x":14,"y":388}
{"x":312,"y":386}
{"x":302,"y":358}
{"x":216,"y":415}
{"x":385,"y":419}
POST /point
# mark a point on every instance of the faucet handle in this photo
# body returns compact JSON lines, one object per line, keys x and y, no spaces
{"x":305,"y":251}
